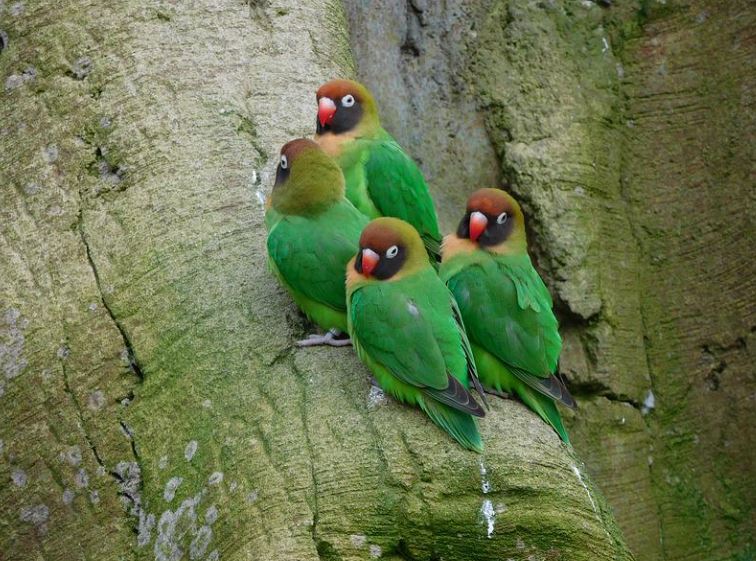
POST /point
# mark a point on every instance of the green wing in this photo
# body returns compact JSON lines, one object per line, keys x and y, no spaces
{"x":461,"y":426}
{"x":397,"y":188}
{"x":507,"y":311}
{"x":472,"y":370}
{"x":310,"y":254}
{"x":413,"y":335}
{"x":503,"y":380}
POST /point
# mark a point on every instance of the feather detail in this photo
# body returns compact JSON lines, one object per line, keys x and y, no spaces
{"x":460,"y":426}
{"x":309,"y":256}
{"x":507,"y":313}
{"x":382,"y":180}
{"x":406,"y":333}
{"x":456,"y":395}
{"x":551,"y":386}
{"x":500,"y":378}
{"x":472,"y":370}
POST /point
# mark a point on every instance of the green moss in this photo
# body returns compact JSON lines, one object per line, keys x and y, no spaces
{"x":288,"y":446}
{"x":247,"y":127}
{"x":339,"y":51}
{"x":748,"y":554}
{"x":650,"y":10}
{"x":326,"y":552}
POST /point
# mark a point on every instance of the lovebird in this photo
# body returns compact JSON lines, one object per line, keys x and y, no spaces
{"x":505,"y":306}
{"x":313,"y":231}
{"x":381,"y":179}
{"x":406,"y":328}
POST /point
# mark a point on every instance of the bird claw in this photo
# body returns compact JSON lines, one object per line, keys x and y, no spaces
{"x":502,"y":395}
{"x":330,"y":338}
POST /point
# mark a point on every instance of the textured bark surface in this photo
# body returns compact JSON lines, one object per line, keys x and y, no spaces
{"x":152,"y":403}
{"x":627,"y":129}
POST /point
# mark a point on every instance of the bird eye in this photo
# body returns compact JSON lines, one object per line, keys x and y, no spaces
{"x":347,"y":100}
{"x":502,"y":218}
{"x":392,"y":252}
{"x":284,"y":161}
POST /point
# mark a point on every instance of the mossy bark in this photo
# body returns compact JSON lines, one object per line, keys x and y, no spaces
{"x":152,"y":403}
{"x":627,"y":130}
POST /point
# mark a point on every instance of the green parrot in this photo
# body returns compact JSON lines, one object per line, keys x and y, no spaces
{"x":505,"y":306}
{"x":381,"y":180}
{"x":406,"y":328}
{"x":313,"y":231}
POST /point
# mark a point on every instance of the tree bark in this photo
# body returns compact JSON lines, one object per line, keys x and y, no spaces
{"x":627,"y":129}
{"x":152,"y":403}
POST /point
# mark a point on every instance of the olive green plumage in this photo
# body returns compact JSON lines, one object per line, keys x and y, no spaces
{"x":381,"y":179}
{"x":405,"y":326}
{"x":313,"y":231}
{"x":506,"y":308}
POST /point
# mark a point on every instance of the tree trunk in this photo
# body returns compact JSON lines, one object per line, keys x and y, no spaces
{"x":627,"y":128}
{"x":152,"y":403}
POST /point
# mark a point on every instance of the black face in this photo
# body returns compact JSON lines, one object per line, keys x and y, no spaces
{"x":345,"y":119}
{"x":391,"y":261}
{"x":282,"y":174}
{"x":497,"y":230}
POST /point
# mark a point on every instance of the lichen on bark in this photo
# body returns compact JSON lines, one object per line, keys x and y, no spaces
{"x":156,"y":407}
{"x":625,"y":129}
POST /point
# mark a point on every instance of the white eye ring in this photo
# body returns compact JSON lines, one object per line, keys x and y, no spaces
{"x":347,"y":100}
{"x":392,"y":252}
{"x":502,"y":218}
{"x":284,"y":161}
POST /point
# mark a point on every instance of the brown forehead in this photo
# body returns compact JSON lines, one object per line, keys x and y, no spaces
{"x":489,"y":201}
{"x":377,"y":236}
{"x":292,"y":149}
{"x":336,"y":89}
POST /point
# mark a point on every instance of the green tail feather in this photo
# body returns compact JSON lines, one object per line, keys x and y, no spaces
{"x":493,"y":374}
{"x":545,"y":407}
{"x":460,"y":426}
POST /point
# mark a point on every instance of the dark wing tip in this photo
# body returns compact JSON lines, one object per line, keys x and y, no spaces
{"x":551,"y":386}
{"x":566,"y":398}
{"x":456,"y":395}
{"x":478,"y":387}
{"x":560,"y":392}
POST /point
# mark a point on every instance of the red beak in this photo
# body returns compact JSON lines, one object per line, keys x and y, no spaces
{"x":370,"y":261}
{"x":326,"y":111}
{"x":478,"y":223}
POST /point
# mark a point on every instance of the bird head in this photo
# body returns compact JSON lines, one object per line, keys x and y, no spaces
{"x":307,"y":179}
{"x":343,"y":106}
{"x":493,"y":219}
{"x":390,"y":248}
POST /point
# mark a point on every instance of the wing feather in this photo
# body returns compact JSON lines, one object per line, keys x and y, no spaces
{"x":311,"y":255}
{"x":413,"y":336}
{"x":509,"y":314}
{"x":397,"y":188}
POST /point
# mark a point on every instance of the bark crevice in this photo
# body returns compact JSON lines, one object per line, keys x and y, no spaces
{"x":80,"y":415}
{"x":126,"y":475}
{"x":313,"y":504}
{"x":595,"y":388}
{"x":130,"y":354}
